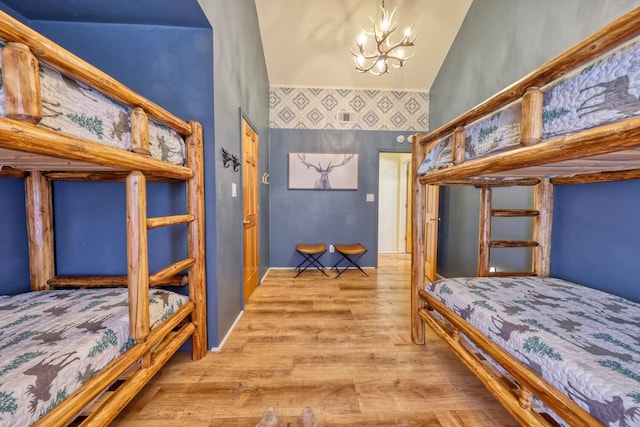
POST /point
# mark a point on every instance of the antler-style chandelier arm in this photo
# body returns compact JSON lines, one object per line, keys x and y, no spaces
{"x":377,"y":62}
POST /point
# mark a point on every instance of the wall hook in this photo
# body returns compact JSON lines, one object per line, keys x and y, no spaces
{"x":265,"y":178}
{"x":229,"y":159}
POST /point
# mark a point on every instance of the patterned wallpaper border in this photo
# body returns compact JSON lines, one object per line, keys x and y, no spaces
{"x":348,"y":109}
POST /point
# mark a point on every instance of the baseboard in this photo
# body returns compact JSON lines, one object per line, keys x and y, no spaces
{"x":235,"y":322}
{"x":265,"y":274}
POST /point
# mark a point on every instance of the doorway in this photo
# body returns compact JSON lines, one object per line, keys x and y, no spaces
{"x":393,"y":202}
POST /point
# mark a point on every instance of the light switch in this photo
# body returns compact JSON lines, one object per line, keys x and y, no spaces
{"x":234,"y":190}
{"x":371,"y":197}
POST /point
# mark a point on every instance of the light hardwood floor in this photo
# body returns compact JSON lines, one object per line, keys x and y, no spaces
{"x":340,"y":346}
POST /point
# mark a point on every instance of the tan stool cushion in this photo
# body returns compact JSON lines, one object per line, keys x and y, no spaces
{"x":313,"y":248}
{"x":353,"y":249}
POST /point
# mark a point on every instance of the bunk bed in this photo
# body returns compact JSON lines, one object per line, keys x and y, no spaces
{"x":77,"y":349}
{"x":552,"y":352}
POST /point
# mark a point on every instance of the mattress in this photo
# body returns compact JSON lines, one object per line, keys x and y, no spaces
{"x":52,"y":342}
{"x":603,"y":91}
{"x":72,"y":107}
{"x":584,"y":342}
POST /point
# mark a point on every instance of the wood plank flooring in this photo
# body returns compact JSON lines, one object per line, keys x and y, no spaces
{"x":340,"y":346}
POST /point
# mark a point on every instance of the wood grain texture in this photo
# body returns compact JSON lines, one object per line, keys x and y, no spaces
{"x":137,"y":256}
{"x":614,"y":34}
{"x":542,"y":225}
{"x":39,"y":212}
{"x":49,"y":52}
{"x":25,"y":146}
{"x":606,"y":147}
{"x":196,"y":239}
{"x":21,"y":83}
{"x":418,"y":249}
{"x":139,"y":131}
{"x":484,"y":232}
{"x":564,"y":407}
{"x":340,"y":346}
{"x":531,"y":122}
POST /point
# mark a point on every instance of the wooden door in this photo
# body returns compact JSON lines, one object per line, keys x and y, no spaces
{"x":431,"y":231}
{"x":250,"y":208}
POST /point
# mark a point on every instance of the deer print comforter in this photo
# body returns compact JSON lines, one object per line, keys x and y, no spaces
{"x":72,"y":107}
{"x":51,"y":342}
{"x":584,"y":342}
{"x":602,"y":91}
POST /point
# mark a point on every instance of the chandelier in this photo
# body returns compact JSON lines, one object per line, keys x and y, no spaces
{"x":385,"y":52}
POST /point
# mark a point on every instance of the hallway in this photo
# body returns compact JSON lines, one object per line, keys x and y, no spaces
{"x":340,"y":346}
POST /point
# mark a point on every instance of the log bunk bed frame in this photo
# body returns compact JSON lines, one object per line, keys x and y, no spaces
{"x":608,"y":152}
{"x":39,"y":155}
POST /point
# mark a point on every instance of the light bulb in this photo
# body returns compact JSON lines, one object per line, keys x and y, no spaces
{"x":362,"y":38}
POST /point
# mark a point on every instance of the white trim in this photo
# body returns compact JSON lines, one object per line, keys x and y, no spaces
{"x":219,"y":347}
{"x":265,"y":274}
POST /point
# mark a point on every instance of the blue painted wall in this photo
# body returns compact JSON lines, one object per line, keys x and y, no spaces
{"x":500,"y":42}
{"x":172,"y":66}
{"x":336,"y":216}
{"x":166,"y":51}
{"x":596,"y":234}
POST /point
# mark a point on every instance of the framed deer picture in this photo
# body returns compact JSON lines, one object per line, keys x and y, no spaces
{"x":323,"y":171}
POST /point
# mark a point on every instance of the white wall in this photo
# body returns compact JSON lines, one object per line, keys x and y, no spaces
{"x":392,"y":190}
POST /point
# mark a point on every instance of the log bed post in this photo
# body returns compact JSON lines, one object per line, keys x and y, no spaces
{"x":484,"y":234}
{"x":196,"y":240}
{"x":21,"y":83}
{"x":418,"y":202}
{"x":39,"y":208}
{"x":531,"y":120}
{"x":543,"y":203}
{"x":139,"y":131}
{"x":138,"y":258}
{"x":459,"y":142}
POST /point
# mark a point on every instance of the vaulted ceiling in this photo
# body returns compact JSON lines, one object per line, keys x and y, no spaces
{"x":306,"y":42}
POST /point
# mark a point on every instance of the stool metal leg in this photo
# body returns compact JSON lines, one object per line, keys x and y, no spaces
{"x":310,"y":260}
{"x":351,"y":262}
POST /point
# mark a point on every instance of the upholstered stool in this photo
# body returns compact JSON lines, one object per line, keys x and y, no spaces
{"x":351,"y":254}
{"x":311,"y":254}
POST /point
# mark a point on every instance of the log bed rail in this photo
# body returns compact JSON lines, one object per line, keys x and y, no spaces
{"x":609,"y":152}
{"x":39,"y":156}
{"x":581,"y":157}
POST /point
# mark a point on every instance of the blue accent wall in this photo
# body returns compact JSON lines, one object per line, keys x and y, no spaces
{"x":596,"y":236}
{"x":595,"y":230}
{"x":14,"y":249}
{"x":166,"y":51}
{"x":331,"y":216}
{"x":172,"y":66}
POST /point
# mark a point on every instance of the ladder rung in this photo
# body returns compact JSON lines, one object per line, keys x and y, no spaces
{"x":511,"y":273}
{"x":514,"y":212}
{"x":170,"y":271}
{"x":163,"y":221}
{"x":513,"y":244}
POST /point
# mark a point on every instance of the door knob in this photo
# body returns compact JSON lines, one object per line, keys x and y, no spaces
{"x":246,"y":222}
